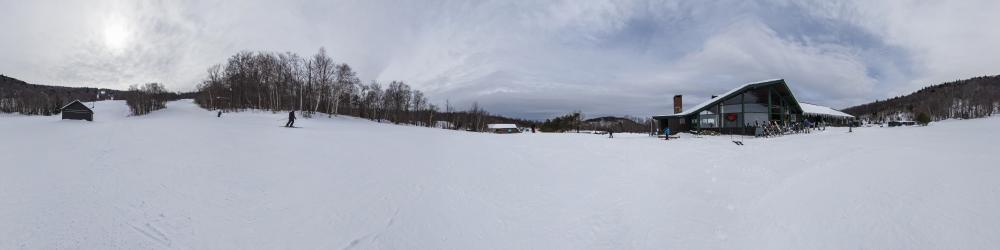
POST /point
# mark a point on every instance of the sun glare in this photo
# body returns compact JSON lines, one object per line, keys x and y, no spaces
{"x":116,"y":35}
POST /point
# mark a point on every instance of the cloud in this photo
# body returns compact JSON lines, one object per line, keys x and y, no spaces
{"x":532,"y":59}
{"x":948,"y":40}
{"x":751,"y":50}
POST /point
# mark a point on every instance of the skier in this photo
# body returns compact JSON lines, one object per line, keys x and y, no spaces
{"x":611,"y":134}
{"x":532,"y":128}
{"x":220,"y":114}
{"x":291,"y":119}
{"x":666,"y":134}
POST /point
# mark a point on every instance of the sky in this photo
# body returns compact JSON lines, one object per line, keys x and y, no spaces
{"x":527,"y":59}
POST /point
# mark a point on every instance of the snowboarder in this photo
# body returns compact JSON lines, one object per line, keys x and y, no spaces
{"x":291,"y":119}
{"x":532,"y":128}
{"x":611,"y":134}
{"x":220,"y":114}
{"x":666,"y":134}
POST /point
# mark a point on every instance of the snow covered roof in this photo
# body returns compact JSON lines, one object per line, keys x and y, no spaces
{"x":76,"y":107}
{"x":709,"y":102}
{"x":71,"y":103}
{"x":813,"y":109}
{"x":500,"y":126}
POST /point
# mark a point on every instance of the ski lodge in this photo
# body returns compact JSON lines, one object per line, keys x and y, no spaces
{"x":75,"y":110}
{"x":743,"y":109}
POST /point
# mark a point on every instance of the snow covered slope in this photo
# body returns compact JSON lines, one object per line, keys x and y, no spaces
{"x":181,"y":178}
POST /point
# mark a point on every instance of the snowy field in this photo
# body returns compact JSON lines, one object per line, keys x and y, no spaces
{"x":181,"y":178}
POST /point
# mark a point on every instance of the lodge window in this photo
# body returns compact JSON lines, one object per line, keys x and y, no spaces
{"x":709,"y":118}
{"x":755,"y":119}
{"x":736,"y":99}
{"x":732,"y":108}
{"x":755,"y":107}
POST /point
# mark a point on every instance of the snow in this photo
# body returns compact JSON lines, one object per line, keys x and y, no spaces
{"x":181,"y":178}
{"x":813,"y":109}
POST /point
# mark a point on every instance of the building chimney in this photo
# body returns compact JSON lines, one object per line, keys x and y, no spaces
{"x":678,"y":104}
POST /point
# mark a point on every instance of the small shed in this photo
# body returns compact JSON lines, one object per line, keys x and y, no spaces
{"x":77,"y":111}
{"x":503,"y":128}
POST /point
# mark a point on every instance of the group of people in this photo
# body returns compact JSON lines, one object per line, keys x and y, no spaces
{"x":821,"y":125}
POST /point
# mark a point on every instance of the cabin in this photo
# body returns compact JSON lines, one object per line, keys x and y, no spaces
{"x":76,"y":110}
{"x":503,"y":128}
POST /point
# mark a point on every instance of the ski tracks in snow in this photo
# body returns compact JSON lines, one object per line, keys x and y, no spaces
{"x":373,"y":237}
{"x":366,"y":240}
{"x":153,"y":228}
{"x":153,"y":233}
{"x":108,"y":147}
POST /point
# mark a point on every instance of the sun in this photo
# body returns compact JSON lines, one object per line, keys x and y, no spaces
{"x":116,"y":35}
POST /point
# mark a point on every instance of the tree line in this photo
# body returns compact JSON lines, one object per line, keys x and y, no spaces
{"x":17,"y":96}
{"x":575,"y":122}
{"x":319,"y":85}
{"x":627,"y":124}
{"x":148,"y":97}
{"x":964,"y":99}
{"x":568,"y":122}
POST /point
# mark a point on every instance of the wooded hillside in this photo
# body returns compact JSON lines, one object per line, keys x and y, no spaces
{"x":316,"y":84}
{"x":618,"y":124}
{"x":17,"y":96}
{"x":963,"y":99}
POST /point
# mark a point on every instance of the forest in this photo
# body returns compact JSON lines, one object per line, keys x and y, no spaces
{"x":149,"y":97}
{"x":319,"y":85}
{"x":17,"y":96}
{"x":627,"y":124}
{"x":964,"y":99}
{"x":575,"y":122}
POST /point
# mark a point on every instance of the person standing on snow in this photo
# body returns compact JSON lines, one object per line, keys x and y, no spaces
{"x":291,"y":119}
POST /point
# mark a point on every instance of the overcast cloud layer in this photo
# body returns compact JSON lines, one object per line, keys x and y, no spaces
{"x":530,"y":59}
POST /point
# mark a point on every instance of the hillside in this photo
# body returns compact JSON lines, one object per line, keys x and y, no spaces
{"x":181,"y":178}
{"x":17,"y":96}
{"x":617,"y":124}
{"x":971,"y":98}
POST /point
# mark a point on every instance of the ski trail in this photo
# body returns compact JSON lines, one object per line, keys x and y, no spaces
{"x":152,"y":233}
{"x":107,"y":148}
{"x":150,"y":226}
